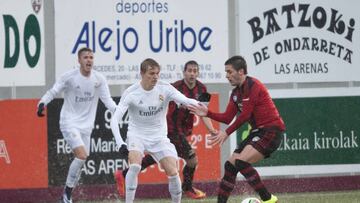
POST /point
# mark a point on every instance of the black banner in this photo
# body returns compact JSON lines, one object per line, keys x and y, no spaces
{"x":103,"y":159}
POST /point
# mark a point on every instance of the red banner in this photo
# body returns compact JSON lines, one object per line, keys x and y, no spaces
{"x":23,"y":146}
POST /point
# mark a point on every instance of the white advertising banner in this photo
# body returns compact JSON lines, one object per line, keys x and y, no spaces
{"x":22,"y":43}
{"x":301,"y":41}
{"x":122,"y":33}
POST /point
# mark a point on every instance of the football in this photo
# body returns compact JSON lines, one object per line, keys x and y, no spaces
{"x":251,"y":200}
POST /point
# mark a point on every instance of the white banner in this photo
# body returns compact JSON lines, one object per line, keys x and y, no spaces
{"x":305,"y":41}
{"x":22,"y":43}
{"x":123,"y":33}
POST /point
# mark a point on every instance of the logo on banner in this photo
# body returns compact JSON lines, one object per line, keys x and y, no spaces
{"x":36,"y":5}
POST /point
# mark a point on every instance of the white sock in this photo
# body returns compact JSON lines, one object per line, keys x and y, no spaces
{"x":74,"y":172}
{"x":131,"y":182}
{"x":175,"y":188}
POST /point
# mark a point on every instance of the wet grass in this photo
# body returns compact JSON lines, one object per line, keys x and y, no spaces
{"x":314,"y":197}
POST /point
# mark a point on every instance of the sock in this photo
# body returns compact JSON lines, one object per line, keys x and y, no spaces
{"x":188,"y":173}
{"x":74,"y":172}
{"x":131,"y":182}
{"x":175,"y":188}
{"x":227,"y":183}
{"x":68,"y":191}
{"x":253,"y":178}
{"x":73,"y":176}
{"x":147,"y":161}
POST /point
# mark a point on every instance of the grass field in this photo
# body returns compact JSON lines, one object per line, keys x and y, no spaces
{"x":315,"y":197}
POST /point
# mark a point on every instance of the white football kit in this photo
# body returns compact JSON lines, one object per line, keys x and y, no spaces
{"x":81,"y":96}
{"x":147,"y":130}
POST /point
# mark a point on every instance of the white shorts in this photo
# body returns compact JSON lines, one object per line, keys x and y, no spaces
{"x":158,"y":149}
{"x":76,"y":137}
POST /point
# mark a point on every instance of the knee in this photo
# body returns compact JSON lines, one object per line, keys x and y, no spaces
{"x":171,"y":171}
{"x":82,"y":156}
{"x":192,"y":163}
{"x":240,"y":164}
{"x":135,"y":168}
{"x":80,"y":153}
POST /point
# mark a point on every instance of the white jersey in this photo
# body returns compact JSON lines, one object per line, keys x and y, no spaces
{"x":81,"y":96}
{"x":147,"y":110}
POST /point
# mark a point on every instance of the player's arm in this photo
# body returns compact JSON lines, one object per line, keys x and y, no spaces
{"x":114,"y":124}
{"x":58,"y":87}
{"x":225,"y":117}
{"x":248,"y":106}
{"x":209,"y":125}
{"x":105,"y":95}
{"x":179,"y":98}
{"x":115,"y":120}
{"x":205,"y":99}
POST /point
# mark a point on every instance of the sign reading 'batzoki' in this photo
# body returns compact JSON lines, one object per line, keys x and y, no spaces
{"x":285,"y":41}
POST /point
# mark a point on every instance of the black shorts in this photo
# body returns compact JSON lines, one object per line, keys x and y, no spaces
{"x":182,"y":146}
{"x":265,"y":140}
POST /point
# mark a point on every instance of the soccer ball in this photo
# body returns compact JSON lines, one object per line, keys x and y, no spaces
{"x":251,"y":200}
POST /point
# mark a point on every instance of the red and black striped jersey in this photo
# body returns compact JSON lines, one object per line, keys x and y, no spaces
{"x":180,"y":121}
{"x":253,"y":103}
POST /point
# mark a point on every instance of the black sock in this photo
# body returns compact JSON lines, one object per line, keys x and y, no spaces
{"x":147,"y":161}
{"x":188,"y":173}
{"x":253,"y":178}
{"x":227,"y":183}
{"x":68,"y":191}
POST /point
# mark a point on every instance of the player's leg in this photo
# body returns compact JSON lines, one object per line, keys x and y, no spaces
{"x":186,"y":152}
{"x":170,"y":166}
{"x":120,"y":175}
{"x":227,"y":183}
{"x":79,"y":144}
{"x":165,"y":153}
{"x":262,"y":144}
{"x":131,"y":179}
{"x":136,"y":150}
{"x":147,"y":161}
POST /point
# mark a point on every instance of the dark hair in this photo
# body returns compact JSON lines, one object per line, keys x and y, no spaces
{"x":238,"y":63}
{"x":147,"y":63}
{"x":191,"y":62}
{"x":84,"y":49}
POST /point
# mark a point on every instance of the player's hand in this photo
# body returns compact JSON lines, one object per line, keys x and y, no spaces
{"x":200,"y":109}
{"x":218,"y":138}
{"x":123,"y":150}
{"x":214,"y":132}
{"x":40,"y":110}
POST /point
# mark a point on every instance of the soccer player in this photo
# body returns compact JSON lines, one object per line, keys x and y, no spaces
{"x":252,"y":101}
{"x":82,"y":89}
{"x":147,"y":103}
{"x":180,"y":124}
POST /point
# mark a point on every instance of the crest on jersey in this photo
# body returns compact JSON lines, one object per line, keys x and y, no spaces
{"x":240,"y":106}
{"x":97,"y":84}
{"x":161,"y":97}
{"x":36,"y":5}
{"x":234,"y":98}
{"x":255,"y":139}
